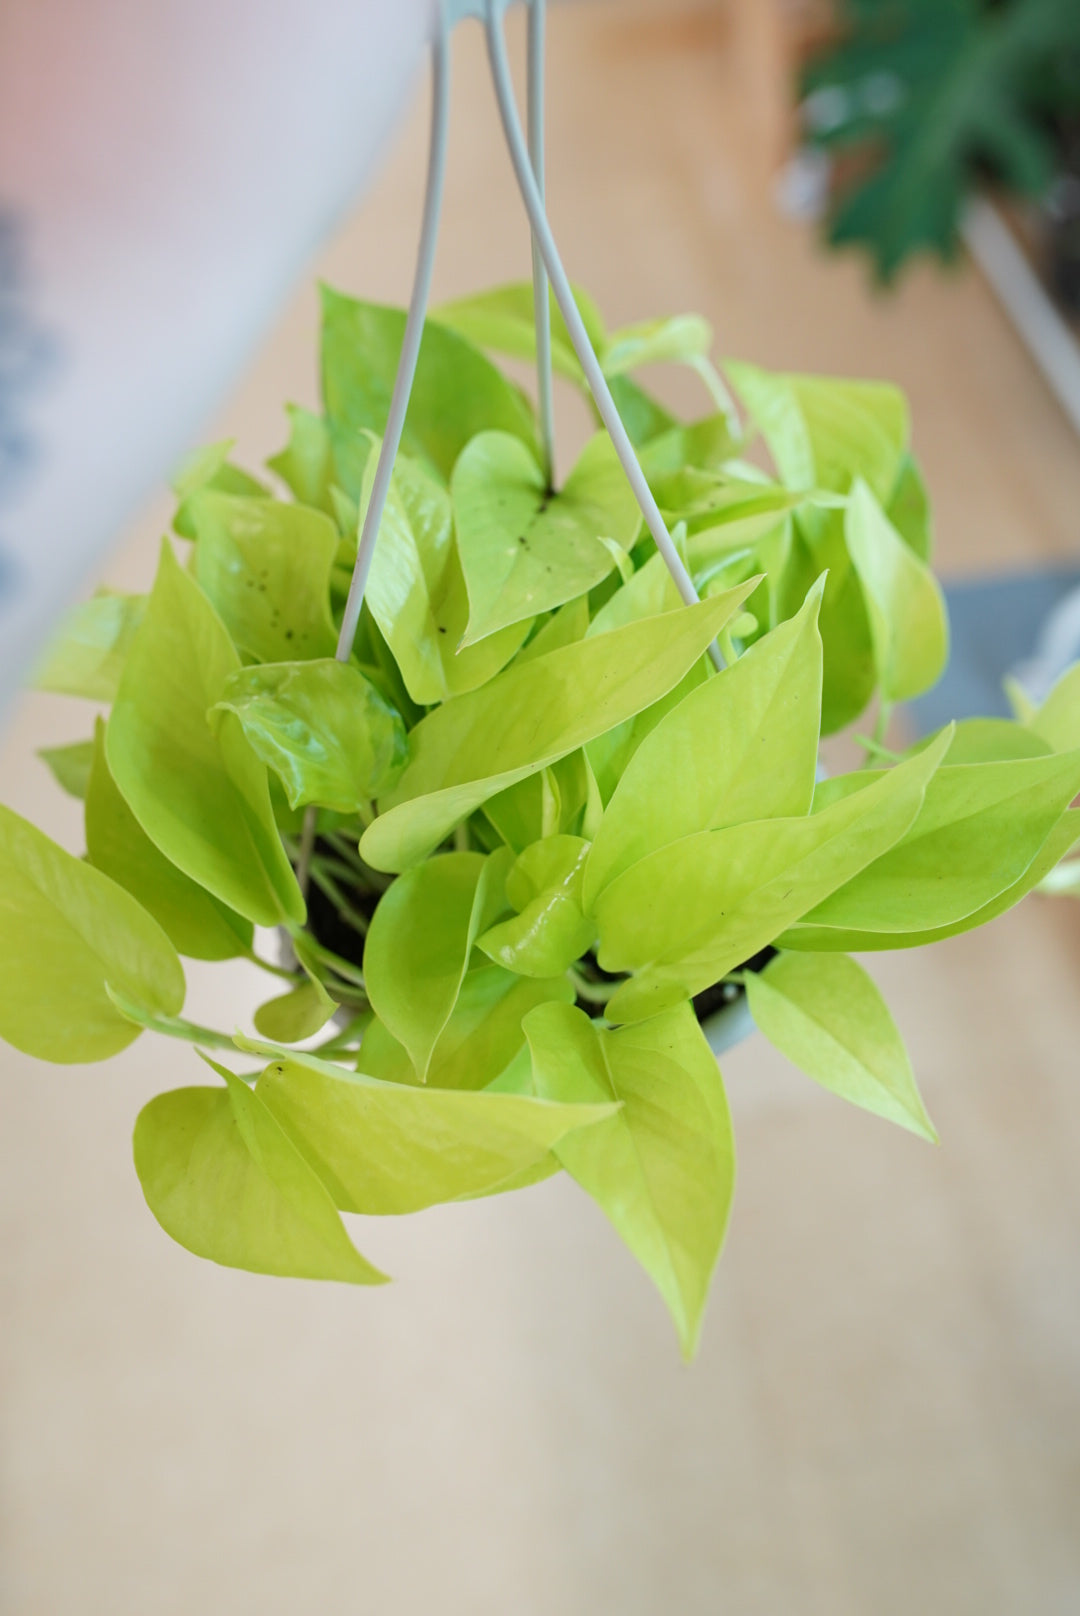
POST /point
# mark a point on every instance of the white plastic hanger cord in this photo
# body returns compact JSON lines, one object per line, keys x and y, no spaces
{"x":545,"y":241}
{"x":414,"y":331}
{"x":541,"y":304}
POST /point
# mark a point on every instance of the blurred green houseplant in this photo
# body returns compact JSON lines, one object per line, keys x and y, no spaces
{"x":923,"y":100}
{"x":549,"y":840}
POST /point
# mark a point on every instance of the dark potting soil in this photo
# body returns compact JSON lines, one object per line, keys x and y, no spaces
{"x":336,"y":934}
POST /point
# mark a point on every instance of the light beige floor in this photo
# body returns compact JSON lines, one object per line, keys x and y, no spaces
{"x":885,"y":1418}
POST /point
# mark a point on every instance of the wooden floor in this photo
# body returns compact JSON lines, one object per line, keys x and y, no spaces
{"x":885,"y":1417}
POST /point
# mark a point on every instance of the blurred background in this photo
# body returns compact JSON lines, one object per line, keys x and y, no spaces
{"x":885,"y":1415}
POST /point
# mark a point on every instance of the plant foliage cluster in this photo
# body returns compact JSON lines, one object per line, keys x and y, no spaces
{"x":922,"y":98}
{"x":544,"y":825}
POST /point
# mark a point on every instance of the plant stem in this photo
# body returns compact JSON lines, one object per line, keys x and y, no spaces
{"x":592,"y":992}
{"x":327,"y":885}
{"x":274,"y":970}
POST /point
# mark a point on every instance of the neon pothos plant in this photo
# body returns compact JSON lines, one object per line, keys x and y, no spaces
{"x":550,"y":842}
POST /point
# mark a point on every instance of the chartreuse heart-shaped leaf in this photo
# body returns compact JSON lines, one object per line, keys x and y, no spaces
{"x":481,"y":1038}
{"x":323,"y":728}
{"x":211,"y":468}
{"x":502,"y":320}
{"x":223,"y":1179}
{"x":530,"y":715}
{"x":265,"y":567}
{"x":741,"y":746}
{"x":824,"y":432}
{"x":662,"y":1168}
{"x":66,"y":931}
{"x":419,"y":942}
{"x":823,"y":938}
{"x":525,"y":549}
{"x":416,"y":590}
{"x":200,"y":796}
{"x":681,"y":339}
{"x":904,"y":602}
{"x":563,"y":627}
{"x":70,"y":766}
{"x":908,"y":509}
{"x":991,"y":740}
{"x":1058,"y":719}
{"x":685,"y":916}
{"x":306,"y":464}
{"x":456,"y":391}
{"x":979,"y":829}
{"x":87,"y":656}
{"x":195,"y":921}
{"x":825,"y":1014}
{"x":298,"y":1014}
{"x":550,"y":931}
{"x":385,"y":1148}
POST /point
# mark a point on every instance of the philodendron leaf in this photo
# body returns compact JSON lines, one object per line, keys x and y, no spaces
{"x":197,"y":923}
{"x":904,"y":602}
{"x":1058,"y":719}
{"x":550,"y":931}
{"x":416,"y":590}
{"x":824,"y":432}
{"x":392,"y":1148}
{"x":200,"y":796}
{"x":524,"y":549}
{"x":223,"y":1179}
{"x":662,"y":1168}
{"x":826,"y":1015}
{"x":481,"y":1038}
{"x":528,"y":717}
{"x":66,"y":931}
{"x":741,"y":746}
{"x":87,"y":656}
{"x":265,"y":567}
{"x":685,"y":916}
{"x":295,"y":1015}
{"x":70,"y":766}
{"x":323,"y":728}
{"x":979,"y":829}
{"x":823,"y":938}
{"x":503,"y":321}
{"x":456,"y":391}
{"x":418,"y":945}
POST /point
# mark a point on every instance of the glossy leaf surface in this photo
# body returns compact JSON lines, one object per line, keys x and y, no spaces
{"x":524,"y":549}
{"x":824,"y":432}
{"x":419,"y":941}
{"x":65,"y":931}
{"x":904,"y":602}
{"x":265,"y":567}
{"x":200,"y":796}
{"x":550,"y":931}
{"x":663,"y":1167}
{"x":1058,"y":719}
{"x":456,"y":393}
{"x":416,"y":591}
{"x":685,"y":916}
{"x":323,"y":728}
{"x":826,"y":1015}
{"x":197,"y":923}
{"x":527,"y":717}
{"x":481,"y":1038}
{"x":222,"y":1179}
{"x":741,"y":746}
{"x":388,"y":1148}
{"x":980,"y":827}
